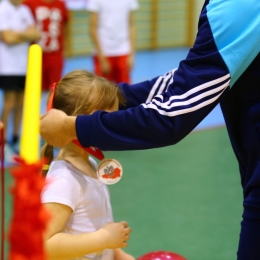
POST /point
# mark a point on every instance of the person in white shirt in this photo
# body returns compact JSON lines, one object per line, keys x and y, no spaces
{"x":82,"y":224}
{"x":17,"y":31}
{"x":112,"y":30}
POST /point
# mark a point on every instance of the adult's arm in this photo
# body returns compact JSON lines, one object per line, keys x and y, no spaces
{"x":142,"y":92}
{"x":164,"y":110}
{"x":221,"y":53}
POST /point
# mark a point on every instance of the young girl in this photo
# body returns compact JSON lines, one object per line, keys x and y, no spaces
{"x":82,"y":225}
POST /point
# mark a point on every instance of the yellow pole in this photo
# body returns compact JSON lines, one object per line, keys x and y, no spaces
{"x":30,"y":142}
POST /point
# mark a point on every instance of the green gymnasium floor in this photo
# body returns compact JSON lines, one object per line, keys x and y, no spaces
{"x":184,"y":198}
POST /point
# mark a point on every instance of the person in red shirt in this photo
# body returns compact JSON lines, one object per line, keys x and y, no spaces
{"x":52,"y":19}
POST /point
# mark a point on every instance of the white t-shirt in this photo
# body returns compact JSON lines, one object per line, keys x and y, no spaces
{"x":87,"y":197}
{"x":113,"y":24}
{"x":13,"y":58}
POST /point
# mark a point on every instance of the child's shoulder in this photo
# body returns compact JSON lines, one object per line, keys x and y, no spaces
{"x":63,"y":169}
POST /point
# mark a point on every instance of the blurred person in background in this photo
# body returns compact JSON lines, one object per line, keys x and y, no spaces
{"x":112,"y":30}
{"x":52,"y":19}
{"x":17,"y":31}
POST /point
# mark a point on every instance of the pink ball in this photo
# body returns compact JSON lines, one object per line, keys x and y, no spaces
{"x":161,"y":255}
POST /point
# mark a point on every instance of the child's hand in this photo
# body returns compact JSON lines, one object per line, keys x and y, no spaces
{"x":121,"y":255}
{"x":116,"y":234}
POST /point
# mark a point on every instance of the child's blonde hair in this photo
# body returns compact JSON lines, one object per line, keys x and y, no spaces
{"x":82,"y":92}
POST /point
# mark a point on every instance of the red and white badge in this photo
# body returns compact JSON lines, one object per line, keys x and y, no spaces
{"x":109,"y":171}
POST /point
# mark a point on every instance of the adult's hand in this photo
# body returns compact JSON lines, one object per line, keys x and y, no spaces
{"x":57,"y":129}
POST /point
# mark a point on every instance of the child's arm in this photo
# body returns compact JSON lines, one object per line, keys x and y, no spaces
{"x":60,"y":245}
{"x":121,"y":255}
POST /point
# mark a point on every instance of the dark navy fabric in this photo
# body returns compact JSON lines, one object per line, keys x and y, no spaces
{"x":241,"y":110}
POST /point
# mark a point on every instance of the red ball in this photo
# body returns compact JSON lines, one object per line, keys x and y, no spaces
{"x":161,"y":255}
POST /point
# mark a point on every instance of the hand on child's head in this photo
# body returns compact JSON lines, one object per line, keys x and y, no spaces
{"x":56,"y":121}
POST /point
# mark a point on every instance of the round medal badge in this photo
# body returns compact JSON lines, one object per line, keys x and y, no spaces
{"x":109,"y":171}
